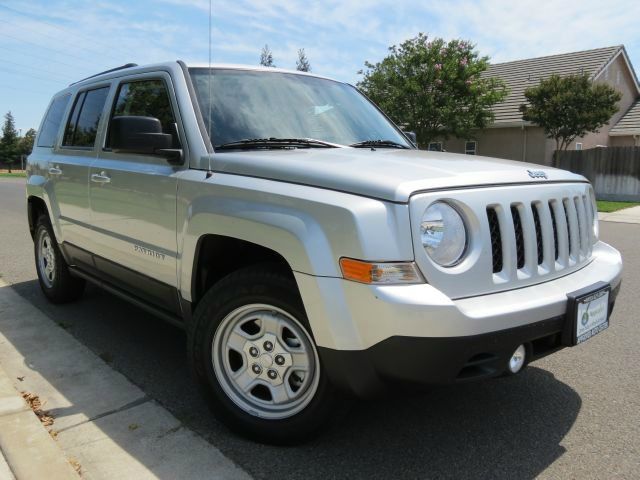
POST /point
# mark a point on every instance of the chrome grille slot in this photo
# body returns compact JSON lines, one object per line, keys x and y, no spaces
{"x":572,"y":228}
{"x":496,"y":239}
{"x":554,"y":226}
{"x":517,"y":229}
{"x":581,"y":224}
{"x":538,"y":227}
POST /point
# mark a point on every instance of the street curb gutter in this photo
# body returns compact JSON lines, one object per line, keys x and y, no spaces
{"x":102,"y":421}
{"x":27,"y":447}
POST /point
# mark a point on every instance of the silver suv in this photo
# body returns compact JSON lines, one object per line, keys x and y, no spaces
{"x":304,"y":243}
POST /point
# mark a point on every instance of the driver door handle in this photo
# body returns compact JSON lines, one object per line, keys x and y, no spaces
{"x":55,"y":170}
{"x":101,"y":177}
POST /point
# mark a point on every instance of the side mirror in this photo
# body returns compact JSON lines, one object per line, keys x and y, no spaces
{"x":143,"y":135}
{"x":412,"y":137}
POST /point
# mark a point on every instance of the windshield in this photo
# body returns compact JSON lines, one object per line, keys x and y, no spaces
{"x":262,"y":105}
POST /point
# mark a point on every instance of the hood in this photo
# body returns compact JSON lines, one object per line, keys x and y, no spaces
{"x":387,"y":174}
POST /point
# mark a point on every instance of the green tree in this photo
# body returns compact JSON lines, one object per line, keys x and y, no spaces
{"x":25,"y":144}
{"x":569,"y":107}
{"x":9,"y":141}
{"x":302,"y":64}
{"x":266,"y":57}
{"x":434,"y":87}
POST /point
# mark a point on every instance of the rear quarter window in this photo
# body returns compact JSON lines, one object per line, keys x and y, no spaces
{"x":82,"y":127}
{"x":52,"y":120}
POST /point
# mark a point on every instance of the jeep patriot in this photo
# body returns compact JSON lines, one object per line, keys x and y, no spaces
{"x":304,"y":243}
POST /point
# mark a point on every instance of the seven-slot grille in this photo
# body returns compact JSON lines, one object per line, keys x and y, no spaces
{"x":547,"y":236}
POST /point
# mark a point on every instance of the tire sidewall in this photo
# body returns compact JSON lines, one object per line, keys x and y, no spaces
{"x":64,"y":287}
{"x":215,"y":306}
{"x":41,"y":227}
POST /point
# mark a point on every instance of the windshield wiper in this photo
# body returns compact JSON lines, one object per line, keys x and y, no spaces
{"x":378,"y":143}
{"x":272,"y":143}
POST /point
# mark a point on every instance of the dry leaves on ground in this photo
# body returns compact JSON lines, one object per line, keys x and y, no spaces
{"x":36,"y":405}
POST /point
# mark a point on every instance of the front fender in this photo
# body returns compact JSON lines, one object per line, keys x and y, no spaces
{"x":311,"y":228}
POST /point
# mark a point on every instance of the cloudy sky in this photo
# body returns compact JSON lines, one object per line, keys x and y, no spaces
{"x":46,"y":44}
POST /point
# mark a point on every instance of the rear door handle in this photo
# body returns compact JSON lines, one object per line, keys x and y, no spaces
{"x":101,"y":177}
{"x":55,"y":171}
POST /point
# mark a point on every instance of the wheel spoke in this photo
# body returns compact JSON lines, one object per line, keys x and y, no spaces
{"x":244,"y":381}
{"x":270,"y":323}
{"x":237,"y":340}
{"x":300,"y":361}
{"x":279,"y":393}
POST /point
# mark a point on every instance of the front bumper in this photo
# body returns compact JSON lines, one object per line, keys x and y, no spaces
{"x":369,"y":335}
{"x":443,"y":360}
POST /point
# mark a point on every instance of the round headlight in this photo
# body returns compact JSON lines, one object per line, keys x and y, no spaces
{"x":444,"y":236}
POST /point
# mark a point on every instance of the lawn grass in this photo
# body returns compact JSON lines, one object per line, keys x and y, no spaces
{"x":12,"y":174}
{"x":608,"y":207}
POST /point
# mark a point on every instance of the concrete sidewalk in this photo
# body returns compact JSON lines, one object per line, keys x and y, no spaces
{"x":626,"y":215}
{"x":5,"y":471}
{"x":26,"y":448}
{"x":101,"y":420}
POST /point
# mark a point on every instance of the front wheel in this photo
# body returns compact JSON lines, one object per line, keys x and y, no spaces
{"x":54,"y":276}
{"x":255,"y":358}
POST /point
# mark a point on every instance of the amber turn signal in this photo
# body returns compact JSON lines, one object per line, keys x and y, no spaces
{"x":383,"y":273}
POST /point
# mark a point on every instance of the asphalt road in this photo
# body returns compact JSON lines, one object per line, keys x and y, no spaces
{"x":575,"y":414}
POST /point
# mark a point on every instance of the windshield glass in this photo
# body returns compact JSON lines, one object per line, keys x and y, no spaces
{"x":257,"y":104}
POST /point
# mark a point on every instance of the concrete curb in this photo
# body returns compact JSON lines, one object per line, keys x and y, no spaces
{"x":102,"y":420}
{"x":29,"y":451}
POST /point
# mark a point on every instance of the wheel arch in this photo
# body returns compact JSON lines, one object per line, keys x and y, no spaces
{"x":219,"y":255}
{"x":36,"y":207}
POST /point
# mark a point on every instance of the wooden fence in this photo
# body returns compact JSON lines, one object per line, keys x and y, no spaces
{"x":613,"y":171}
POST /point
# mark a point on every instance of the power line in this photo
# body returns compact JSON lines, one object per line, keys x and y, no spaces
{"x":31,"y":54}
{"x":22,"y":65}
{"x":25,"y":90}
{"x":49,"y":59}
{"x":75,"y":47}
{"x":66,"y":31}
{"x":66,"y":54}
{"x":30,"y":75}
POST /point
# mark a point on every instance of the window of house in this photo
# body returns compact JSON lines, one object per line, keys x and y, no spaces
{"x":435,"y":146}
{"x":146,"y":98}
{"x":578,"y":146}
{"x":470,"y":147}
{"x":82,"y":127}
{"x":52,"y":121}
{"x":618,"y":77}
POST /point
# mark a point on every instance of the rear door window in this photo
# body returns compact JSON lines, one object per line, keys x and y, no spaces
{"x":82,"y":127}
{"x":146,"y":98}
{"x":52,"y":121}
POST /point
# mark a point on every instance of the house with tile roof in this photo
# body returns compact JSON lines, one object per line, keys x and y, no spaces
{"x":511,"y":137}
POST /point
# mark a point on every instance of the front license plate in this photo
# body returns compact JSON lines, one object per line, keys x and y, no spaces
{"x":591,"y":312}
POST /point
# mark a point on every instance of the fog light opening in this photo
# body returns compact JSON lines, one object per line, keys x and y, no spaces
{"x":516,"y":362}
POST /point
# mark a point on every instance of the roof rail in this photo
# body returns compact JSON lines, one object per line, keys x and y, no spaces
{"x":122,"y":67}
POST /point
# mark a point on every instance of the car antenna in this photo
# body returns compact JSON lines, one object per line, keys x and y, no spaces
{"x":209,"y":172}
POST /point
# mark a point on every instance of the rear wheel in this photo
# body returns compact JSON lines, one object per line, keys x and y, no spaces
{"x":57,"y":283}
{"x":255,"y":358}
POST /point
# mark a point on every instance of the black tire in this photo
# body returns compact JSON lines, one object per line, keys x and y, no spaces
{"x":61,"y":286}
{"x":263,"y":284}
